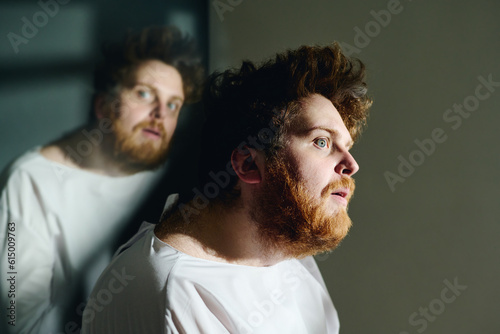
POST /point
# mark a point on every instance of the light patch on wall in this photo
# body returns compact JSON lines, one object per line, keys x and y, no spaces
{"x":183,"y":20}
{"x":46,"y":31}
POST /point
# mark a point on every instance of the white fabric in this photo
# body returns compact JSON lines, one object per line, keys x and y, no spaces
{"x":153,"y":288}
{"x":66,"y":223}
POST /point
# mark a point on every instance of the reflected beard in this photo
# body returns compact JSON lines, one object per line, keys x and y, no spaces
{"x":136,"y":151}
{"x":291,"y":221}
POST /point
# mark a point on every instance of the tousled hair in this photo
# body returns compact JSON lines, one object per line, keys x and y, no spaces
{"x":167,"y":44}
{"x":242,"y":105}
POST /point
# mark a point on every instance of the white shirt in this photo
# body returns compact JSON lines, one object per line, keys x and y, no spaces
{"x":154,"y":288}
{"x":64,"y":223}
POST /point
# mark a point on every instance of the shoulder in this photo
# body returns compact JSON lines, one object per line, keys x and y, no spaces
{"x":34,"y":166}
{"x":60,"y":152}
{"x":159,"y":270}
{"x":53,"y":152}
{"x":33,"y":181}
{"x":27,"y":164}
{"x":21,"y":186}
{"x":146,"y":257}
{"x":141,"y":273}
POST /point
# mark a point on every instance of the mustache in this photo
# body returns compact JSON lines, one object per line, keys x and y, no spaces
{"x":344,"y":183}
{"x":157,"y":125}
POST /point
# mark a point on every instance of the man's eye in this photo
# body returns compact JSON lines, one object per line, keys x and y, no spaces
{"x":321,"y":142}
{"x":144,"y":94}
{"x":172,"y":106}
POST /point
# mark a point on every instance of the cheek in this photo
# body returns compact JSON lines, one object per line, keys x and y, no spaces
{"x":170,"y":125}
{"x":313,"y":171}
{"x":132,"y":114}
{"x":314,"y":176}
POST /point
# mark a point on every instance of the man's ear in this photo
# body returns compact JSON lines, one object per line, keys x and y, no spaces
{"x":248,"y":165}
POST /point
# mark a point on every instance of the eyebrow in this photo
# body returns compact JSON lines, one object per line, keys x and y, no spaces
{"x":142,"y":83}
{"x":176,"y":97}
{"x":333,"y":133}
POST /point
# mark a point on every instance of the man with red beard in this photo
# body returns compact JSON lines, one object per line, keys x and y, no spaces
{"x":63,"y":206}
{"x":276,"y":179}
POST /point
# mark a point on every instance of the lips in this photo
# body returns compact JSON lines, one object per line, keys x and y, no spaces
{"x":341,"y":192}
{"x":152,"y":132}
{"x":342,"y":195}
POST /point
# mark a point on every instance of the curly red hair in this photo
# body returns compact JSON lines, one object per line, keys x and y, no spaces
{"x":240,"y":103}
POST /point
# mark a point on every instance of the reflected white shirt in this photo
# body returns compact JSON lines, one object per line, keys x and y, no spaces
{"x":66,"y":223}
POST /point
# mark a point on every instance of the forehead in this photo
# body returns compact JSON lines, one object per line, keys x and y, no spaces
{"x":319,"y":112}
{"x":158,"y":74}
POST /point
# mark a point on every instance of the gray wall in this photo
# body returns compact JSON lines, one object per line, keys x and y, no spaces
{"x":439,"y":222}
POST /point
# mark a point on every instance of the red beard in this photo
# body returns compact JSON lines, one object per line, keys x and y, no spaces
{"x":290,"y":220}
{"x":135,"y":150}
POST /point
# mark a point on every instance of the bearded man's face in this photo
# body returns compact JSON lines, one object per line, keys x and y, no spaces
{"x":145,"y":116}
{"x":301,"y":206}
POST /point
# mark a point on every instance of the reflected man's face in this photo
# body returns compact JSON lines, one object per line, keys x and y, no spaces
{"x":147,"y":114}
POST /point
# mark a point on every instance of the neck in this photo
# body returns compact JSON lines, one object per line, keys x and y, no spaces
{"x":221,"y":234}
{"x":93,"y":153}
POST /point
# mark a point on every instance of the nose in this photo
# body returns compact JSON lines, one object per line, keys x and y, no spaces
{"x":347,"y":165}
{"x":159,"y":110}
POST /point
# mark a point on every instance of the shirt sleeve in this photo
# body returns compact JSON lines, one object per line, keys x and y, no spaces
{"x":27,"y":255}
